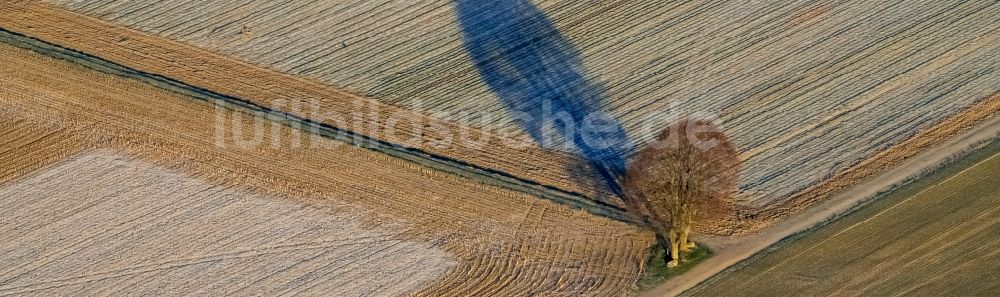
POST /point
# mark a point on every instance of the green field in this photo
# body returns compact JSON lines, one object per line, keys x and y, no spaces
{"x":939,"y":236}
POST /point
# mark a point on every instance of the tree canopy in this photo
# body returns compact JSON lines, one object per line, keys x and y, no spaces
{"x":689,"y":172}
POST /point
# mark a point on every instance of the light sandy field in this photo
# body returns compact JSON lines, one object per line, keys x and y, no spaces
{"x":103,"y":224}
{"x":805,"y":89}
{"x":937,"y":237}
{"x":494,"y":241}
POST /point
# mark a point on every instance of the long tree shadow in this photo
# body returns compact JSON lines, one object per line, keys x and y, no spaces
{"x":539,"y":76}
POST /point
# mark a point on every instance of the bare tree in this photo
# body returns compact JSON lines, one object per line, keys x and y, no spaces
{"x":690,"y":171}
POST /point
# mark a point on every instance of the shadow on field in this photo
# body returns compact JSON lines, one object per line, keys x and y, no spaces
{"x":539,"y":76}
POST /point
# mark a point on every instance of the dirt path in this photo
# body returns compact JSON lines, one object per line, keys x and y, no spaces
{"x":730,"y":251}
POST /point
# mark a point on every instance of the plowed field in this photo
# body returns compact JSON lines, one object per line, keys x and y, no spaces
{"x":497,"y":241}
{"x":807,"y":90}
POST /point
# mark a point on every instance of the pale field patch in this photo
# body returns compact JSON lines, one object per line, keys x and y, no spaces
{"x":106,"y":224}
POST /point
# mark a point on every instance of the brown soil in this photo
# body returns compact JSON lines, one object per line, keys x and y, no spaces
{"x":505,"y":243}
{"x":27,"y":144}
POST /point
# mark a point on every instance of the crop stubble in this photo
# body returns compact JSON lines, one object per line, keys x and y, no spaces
{"x":502,"y":241}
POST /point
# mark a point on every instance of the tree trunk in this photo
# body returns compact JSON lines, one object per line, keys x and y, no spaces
{"x":674,"y":247}
{"x":687,"y":245}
